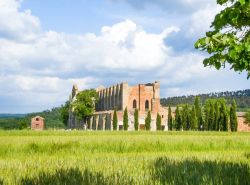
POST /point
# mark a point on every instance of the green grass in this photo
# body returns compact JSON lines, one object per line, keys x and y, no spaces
{"x":80,"y":157}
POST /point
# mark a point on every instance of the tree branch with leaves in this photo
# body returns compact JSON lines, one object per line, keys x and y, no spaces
{"x":229,"y":40}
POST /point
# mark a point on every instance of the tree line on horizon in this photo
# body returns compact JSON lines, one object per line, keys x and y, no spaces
{"x":241,"y":97}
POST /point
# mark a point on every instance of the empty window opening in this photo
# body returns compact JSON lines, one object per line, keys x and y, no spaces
{"x":134,"y":104}
{"x":146,"y":104}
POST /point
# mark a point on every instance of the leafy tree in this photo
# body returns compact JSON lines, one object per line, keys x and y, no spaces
{"x":229,"y":40}
{"x":22,"y":124}
{"x":84,"y":105}
{"x":194,"y":120}
{"x":233,"y":117}
{"x":136,"y":119}
{"x":125,"y":119}
{"x":170,"y":119}
{"x":64,"y":112}
{"x":115,"y":120}
{"x":148,"y":121}
{"x":178,"y":121}
{"x":158,"y":122}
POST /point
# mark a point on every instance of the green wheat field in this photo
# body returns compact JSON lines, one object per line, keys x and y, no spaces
{"x":85,"y":157}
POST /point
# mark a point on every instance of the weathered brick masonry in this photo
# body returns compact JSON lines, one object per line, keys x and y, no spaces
{"x":144,"y":97}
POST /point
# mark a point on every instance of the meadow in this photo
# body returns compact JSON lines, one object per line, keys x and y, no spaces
{"x":85,"y":157}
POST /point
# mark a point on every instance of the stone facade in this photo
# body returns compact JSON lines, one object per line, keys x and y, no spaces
{"x":144,"y":97}
{"x":37,"y":123}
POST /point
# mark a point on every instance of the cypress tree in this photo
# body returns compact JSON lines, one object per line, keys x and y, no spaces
{"x":178,"y":121}
{"x":194,"y":120}
{"x":125,"y":119}
{"x":207,"y":113}
{"x":170,"y":119}
{"x":197,"y":105}
{"x":148,"y":121}
{"x":115,"y":120}
{"x":136,"y":119}
{"x":198,"y":112}
{"x":233,"y":117}
{"x":217,"y":116}
{"x":223,"y":116}
{"x":185,"y":117}
{"x":158,"y":122}
{"x":211,"y":116}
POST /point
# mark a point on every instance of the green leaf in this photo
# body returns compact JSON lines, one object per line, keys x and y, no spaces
{"x":242,"y":2}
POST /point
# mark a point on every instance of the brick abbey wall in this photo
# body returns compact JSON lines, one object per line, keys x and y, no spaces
{"x":144,"y":97}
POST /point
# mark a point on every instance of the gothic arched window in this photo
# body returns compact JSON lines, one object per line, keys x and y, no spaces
{"x":134,"y":104}
{"x":146,"y":104}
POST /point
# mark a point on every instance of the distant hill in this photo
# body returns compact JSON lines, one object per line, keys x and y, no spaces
{"x":3,"y":115}
{"x":241,"y":97}
{"x":13,"y":121}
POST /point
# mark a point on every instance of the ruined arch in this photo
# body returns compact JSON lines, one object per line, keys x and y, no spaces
{"x":146,"y":104}
{"x":134,"y":104}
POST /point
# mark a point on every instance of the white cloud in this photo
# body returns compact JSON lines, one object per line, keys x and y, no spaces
{"x":15,"y":24}
{"x":39,"y":67}
{"x":201,"y":20}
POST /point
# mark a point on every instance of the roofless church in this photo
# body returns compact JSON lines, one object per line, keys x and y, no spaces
{"x":144,"y":97}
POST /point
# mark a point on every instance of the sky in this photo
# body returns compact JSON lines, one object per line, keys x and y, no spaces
{"x":47,"y":46}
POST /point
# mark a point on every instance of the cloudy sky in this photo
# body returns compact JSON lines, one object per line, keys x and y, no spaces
{"x":46,"y":46}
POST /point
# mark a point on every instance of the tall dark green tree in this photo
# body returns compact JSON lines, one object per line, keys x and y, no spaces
{"x":211,"y":116}
{"x":158,"y":122}
{"x":170,"y":119}
{"x":194,"y":120}
{"x":84,"y":105}
{"x":207,"y":113}
{"x":185,"y":117}
{"x":64,"y":112}
{"x":233,"y":117}
{"x":229,"y":40}
{"x":136,"y":119}
{"x":217,"y":116}
{"x":178,"y":121}
{"x":223,"y":116}
{"x":148,"y":121}
{"x":115,"y":120}
{"x":125,"y":119}
{"x":198,"y":112}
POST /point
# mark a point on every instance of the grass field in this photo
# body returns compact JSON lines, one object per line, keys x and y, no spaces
{"x":80,"y":157}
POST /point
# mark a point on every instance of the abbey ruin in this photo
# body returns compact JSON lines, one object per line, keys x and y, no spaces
{"x":144,"y":97}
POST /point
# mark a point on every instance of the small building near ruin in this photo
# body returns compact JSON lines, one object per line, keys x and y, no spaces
{"x":144,"y":97}
{"x":37,"y":123}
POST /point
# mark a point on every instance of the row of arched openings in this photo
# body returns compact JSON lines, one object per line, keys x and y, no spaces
{"x":146,"y":104}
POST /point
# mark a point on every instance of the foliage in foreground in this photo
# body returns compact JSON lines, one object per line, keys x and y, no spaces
{"x":79,"y":157}
{"x":196,"y":172}
{"x":229,"y":40}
